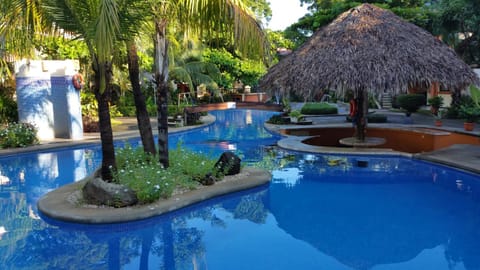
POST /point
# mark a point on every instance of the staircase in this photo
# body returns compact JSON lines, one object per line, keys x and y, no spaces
{"x":386,"y":101}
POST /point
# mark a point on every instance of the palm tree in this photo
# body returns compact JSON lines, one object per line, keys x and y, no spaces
{"x":143,"y":119}
{"x":21,"y":23}
{"x":194,"y":72}
{"x":98,"y":23}
{"x":227,"y":18}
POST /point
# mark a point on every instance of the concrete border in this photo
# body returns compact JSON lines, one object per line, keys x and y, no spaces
{"x":65,"y":204}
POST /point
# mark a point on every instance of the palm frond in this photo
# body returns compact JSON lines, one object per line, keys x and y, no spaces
{"x":228,"y":18}
{"x":180,"y":74}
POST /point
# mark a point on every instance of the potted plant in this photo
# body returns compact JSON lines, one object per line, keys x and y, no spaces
{"x":435,"y":103}
{"x":471,"y":114}
{"x":295,"y":116}
{"x":438,"y":118}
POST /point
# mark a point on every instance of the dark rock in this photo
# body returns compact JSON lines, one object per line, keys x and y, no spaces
{"x":208,"y":180}
{"x":96,"y":191}
{"x":228,"y":164}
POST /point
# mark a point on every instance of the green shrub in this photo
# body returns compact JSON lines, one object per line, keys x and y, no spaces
{"x":469,"y":113}
{"x":89,"y":105}
{"x":453,"y":112}
{"x":18,"y":135}
{"x":278,"y":119}
{"x":145,"y":175}
{"x":377,"y":118}
{"x":8,"y":106}
{"x":151,"y":107}
{"x":174,"y":110}
{"x":436,"y":101}
{"x":410,"y":102}
{"x":129,"y":111}
{"x":316,"y":108}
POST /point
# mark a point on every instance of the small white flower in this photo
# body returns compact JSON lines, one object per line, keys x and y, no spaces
{"x":157,"y":186}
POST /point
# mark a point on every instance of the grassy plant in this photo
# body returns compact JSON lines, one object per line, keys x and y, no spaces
{"x":18,"y":135}
{"x":145,"y":175}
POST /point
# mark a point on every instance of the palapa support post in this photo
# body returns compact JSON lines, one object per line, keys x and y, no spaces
{"x":361,"y":115}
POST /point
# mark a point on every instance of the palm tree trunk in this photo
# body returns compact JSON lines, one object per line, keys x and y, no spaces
{"x":105,"y":125}
{"x":143,"y":120}
{"x":161,"y":78}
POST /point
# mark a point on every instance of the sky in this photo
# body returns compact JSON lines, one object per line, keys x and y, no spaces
{"x":285,"y":13}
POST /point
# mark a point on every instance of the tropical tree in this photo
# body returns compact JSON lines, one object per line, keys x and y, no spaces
{"x":322,"y":12}
{"x":457,"y":22}
{"x":99,"y":23}
{"x":222,"y":18}
{"x":143,"y":119}
{"x":194,"y":72}
{"x":21,"y":24}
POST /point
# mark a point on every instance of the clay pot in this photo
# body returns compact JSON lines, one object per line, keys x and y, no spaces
{"x":468,"y":126}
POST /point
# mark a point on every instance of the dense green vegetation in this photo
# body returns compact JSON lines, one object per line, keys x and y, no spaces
{"x":455,"y":21}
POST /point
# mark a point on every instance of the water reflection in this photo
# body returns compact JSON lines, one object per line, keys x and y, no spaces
{"x":173,"y":241}
{"x":319,"y":212}
{"x":391,"y":220}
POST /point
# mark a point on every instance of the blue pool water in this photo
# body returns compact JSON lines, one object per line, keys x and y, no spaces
{"x":318,"y":212}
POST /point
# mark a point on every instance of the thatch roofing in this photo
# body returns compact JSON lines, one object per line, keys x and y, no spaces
{"x":369,"y":48}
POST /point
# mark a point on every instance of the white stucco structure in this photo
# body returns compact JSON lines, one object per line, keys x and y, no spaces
{"x":46,"y":98}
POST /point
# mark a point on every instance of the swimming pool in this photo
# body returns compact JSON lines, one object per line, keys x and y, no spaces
{"x":319,"y":212}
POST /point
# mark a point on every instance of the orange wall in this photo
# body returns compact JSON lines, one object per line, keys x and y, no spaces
{"x":410,"y":141}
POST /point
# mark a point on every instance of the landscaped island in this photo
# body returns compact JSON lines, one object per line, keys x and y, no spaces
{"x":66,"y":202}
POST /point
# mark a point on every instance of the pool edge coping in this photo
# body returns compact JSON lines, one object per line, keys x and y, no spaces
{"x":58,"y":205}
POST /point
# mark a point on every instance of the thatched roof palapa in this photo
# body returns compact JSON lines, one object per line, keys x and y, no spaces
{"x":369,"y":48}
